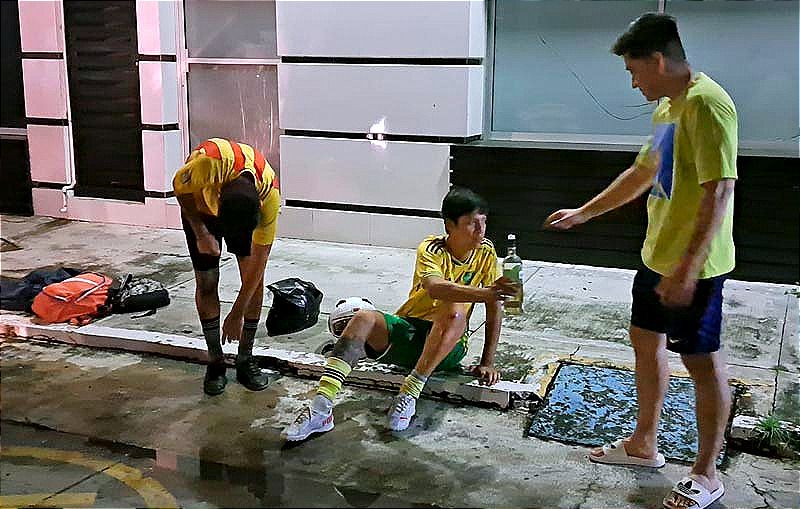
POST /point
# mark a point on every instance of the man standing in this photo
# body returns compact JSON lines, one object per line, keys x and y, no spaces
{"x":689,"y":165}
{"x":428,"y":332}
{"x":227,"y":190}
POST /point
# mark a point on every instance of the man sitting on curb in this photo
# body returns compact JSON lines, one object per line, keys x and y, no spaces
{"x":427,"y":333}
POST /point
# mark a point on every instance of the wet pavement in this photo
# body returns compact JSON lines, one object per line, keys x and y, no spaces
{"x":149,"y":413}
{"x":575,"y":312}
{"x":226,"y":451}
{"x":45,"y":468}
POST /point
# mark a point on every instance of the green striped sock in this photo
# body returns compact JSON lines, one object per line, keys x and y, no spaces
{"x":413,"y":384}
{"x":336,"y":370}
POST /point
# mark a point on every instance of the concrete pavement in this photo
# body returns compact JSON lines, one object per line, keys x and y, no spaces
{"x":226,"y":451}
{"x":477,"y":456}
{"x":575,"y":312}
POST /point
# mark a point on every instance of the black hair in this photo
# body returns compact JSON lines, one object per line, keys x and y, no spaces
{"x":461,"y":201}
{"x":239,"y":206}
{"x":649,"y":33}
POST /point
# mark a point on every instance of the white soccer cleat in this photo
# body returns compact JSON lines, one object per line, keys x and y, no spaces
{"x":308,"y":421}
{"x":403,"y":409}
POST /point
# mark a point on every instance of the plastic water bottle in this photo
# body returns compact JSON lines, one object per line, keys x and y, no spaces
{"x":512,"y":269}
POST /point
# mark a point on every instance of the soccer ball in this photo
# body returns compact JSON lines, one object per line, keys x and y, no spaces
{"x":344,"y":311}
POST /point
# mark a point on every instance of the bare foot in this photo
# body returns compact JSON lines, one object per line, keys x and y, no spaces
{"x":712,"y":484}
{"x":631,"y":449}
{"x":677,"y":501}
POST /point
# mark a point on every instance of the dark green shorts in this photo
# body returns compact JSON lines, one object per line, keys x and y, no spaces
{"x":407,"y":339}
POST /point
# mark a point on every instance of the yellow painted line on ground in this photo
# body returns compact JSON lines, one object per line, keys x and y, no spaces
{"x":151,"y":491}
{"x":42,"y":500}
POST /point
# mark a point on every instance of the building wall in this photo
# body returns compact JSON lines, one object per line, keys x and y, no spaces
{"x":49,"y":124}
{"x":409,"y":75}
{"x":372,"y":95}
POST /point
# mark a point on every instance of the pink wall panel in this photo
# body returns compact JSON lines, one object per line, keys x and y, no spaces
{"x":40,"y":25}
{"x":158,"y":87}
{"x":45,"y":88}
{"x":150,"y":88}
{"x":173,"y":215}
{"x":147,"y":28}
{"x":153,"y":160}
{"x":150,"y":213}
{"x":47,"y":202}
{"x":48,"y":153}
{"x":154,"y":212}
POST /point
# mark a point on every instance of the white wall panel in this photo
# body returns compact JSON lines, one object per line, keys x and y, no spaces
{"x":433,"y":100}
{"x":356,"y":227}
{"x":388,"y":174}
{"x":402,"y":231}
{"x":379,"y":28}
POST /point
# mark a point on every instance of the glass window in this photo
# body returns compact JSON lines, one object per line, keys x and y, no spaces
{"x":554,"y":71}
{"x":751,"y":49}
{"x":239,"y":102}
{"x":230,"y":29}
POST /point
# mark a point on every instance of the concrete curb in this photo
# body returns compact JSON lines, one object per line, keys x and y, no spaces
{"x":457,"y":388}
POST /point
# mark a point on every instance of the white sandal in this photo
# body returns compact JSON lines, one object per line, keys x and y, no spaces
{"x":688,"y":488}
{"x":615,"y":454}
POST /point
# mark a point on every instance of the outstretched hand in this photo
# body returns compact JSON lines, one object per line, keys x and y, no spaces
{"x":502,"y":288}
{"x":564,"y":219}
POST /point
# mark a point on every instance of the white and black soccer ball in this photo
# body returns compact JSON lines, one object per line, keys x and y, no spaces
{"x":344,"y":311}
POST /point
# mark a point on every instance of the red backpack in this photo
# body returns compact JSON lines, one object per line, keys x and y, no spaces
{"x":76,"y":300}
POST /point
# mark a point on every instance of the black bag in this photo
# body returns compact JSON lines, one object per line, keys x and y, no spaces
{"x":18,"y":294}
{"x":138,"y":294}
{"x":295,"y":306}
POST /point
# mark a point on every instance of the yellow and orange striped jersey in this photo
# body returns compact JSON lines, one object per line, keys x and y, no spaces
{"x":217,"y":161}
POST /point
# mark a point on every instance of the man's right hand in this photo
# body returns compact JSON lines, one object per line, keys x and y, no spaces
{"x":208,"y":245}
{"x":502,"y":288}
{"x":565,"y":219}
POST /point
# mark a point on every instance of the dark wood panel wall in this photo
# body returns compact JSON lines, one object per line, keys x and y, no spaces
{"x":102,"y":64}
{"x":523,"y":185}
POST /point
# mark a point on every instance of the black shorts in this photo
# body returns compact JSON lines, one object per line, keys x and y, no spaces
{"x":239,"y":246}
{"x":693,"y":329}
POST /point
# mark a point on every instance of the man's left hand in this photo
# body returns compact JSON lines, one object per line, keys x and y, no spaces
{"x":676,"y":291}
{"x":232,"y":327}
{"x":486,"y":375}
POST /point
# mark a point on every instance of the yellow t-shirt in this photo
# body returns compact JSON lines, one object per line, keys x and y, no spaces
{"x":217,"y":161}
{"x":433,"y":259}
{"x":694,"y":141}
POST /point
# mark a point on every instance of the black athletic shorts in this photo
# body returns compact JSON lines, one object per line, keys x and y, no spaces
{"x":237,"y":244}
{"x":693,"y":329}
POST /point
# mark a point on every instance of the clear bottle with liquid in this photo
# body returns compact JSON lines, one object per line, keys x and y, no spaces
{"x":512,"y":269}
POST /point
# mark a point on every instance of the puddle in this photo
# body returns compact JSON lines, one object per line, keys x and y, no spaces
{"x":272,"y":481}
{"x":592,"y":406}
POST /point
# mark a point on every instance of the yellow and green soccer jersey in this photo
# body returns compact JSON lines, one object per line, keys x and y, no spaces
{"x":433,"y":259}
{"x":217,"y":161}
{"x":694,"y":142}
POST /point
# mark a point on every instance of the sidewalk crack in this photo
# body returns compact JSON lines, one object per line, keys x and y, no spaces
{"x":76,"y":483}
{"x":760,"y":493}
{"x":780,"y":352}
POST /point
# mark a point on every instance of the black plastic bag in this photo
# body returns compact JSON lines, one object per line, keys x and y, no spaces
{"x":295,"y":306}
